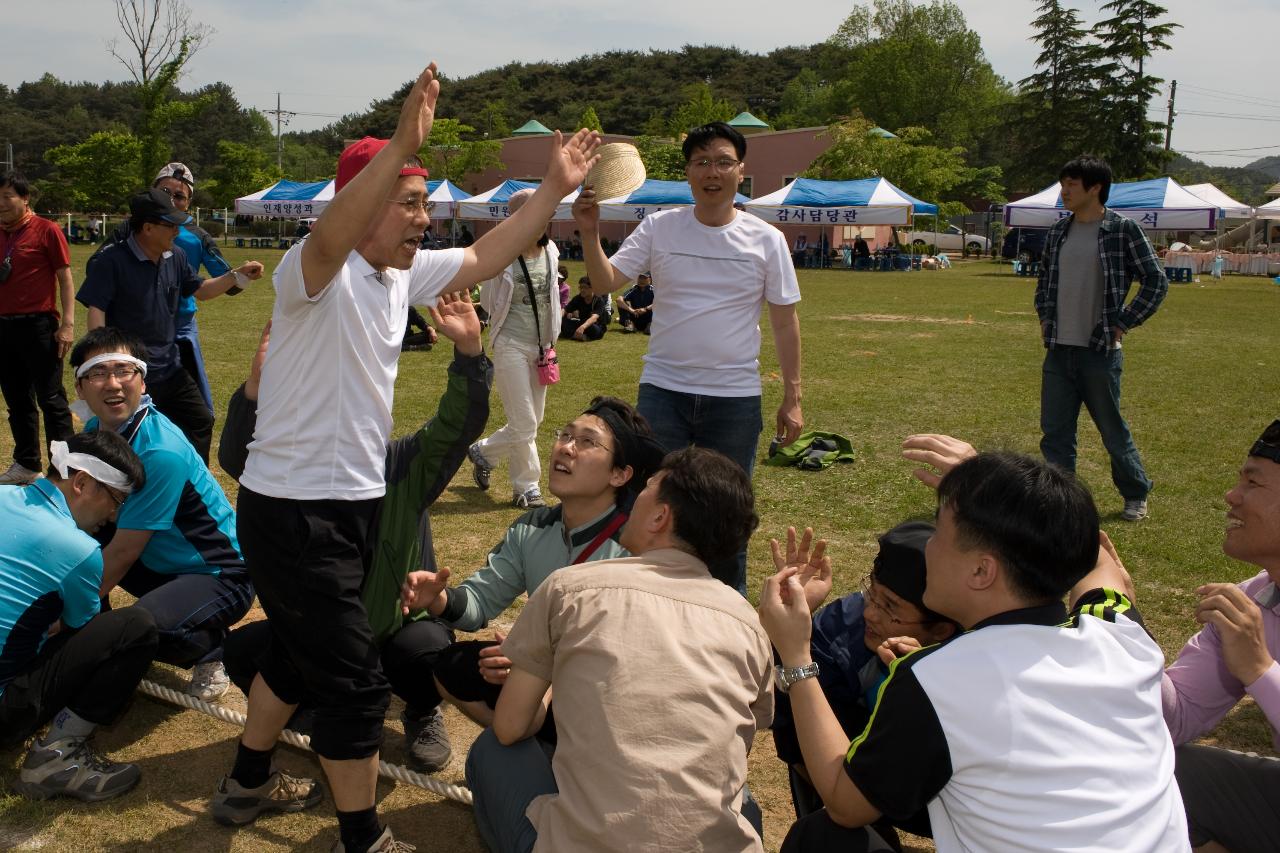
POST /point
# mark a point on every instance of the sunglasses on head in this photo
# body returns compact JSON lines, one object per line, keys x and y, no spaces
{"x":1268,"y":444}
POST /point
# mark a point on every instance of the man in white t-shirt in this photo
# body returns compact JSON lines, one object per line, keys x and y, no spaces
{"x":713,"y":269}
{"x":315,"y":473}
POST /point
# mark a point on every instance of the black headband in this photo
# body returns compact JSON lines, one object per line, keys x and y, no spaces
{"x":639,"y":450}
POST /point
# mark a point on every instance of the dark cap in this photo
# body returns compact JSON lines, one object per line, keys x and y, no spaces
{"x":1268,"y":444}
{"x":156,"y":206}
{"x":899,"y":566}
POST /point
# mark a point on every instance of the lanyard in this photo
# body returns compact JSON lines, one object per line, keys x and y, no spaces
{"x":612,"y":528}
{"x":13,"y":240}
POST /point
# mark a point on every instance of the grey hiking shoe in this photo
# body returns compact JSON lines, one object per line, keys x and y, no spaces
{"x":481,"y":470}
{"x":386,"y":843}
{"x":426,"y":742}
{"x":70,"y":767}
{"x":235,"y":805}
{"x":18,"y":475}
{"x":530,"y":498}
{"x":1134,"y":510}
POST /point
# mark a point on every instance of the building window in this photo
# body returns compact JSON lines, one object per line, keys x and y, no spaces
{"x":745,"y":186}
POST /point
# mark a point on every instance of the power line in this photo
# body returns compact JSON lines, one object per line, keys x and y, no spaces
{"x":1236,"y":116}
{"x":1240,"y":96}
{"x":1228,"y":150}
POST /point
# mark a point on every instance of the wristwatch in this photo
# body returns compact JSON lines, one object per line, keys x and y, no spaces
{"x":786,"y":676}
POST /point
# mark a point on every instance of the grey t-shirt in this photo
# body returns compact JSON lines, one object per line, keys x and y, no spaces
{"x":1079,"y":284}
{"x":519,"y":323}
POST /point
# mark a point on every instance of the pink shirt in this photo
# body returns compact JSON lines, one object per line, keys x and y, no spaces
{"x":1198,"y":691}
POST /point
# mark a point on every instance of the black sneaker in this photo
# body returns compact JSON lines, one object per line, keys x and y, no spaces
{"x":481,"y":470}
{"x":70,"y":767}
{"x":235,"y":805}
{"x":426,"y":742}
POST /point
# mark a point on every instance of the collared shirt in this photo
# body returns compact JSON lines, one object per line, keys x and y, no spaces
{"x":1029,"y":732}
{"x":141,"y":296}
{"x":49,"y":569}
{"x":1199,"y":690}
{"x":324,"y":412}
{"x":1125,"y":254}
{"x":661,"y":676}
{"x":37,"y":249}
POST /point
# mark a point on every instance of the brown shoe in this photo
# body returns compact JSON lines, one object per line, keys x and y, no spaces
{"x":235,"y":805}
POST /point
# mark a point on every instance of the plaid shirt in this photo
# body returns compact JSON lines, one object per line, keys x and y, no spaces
{"x":1125,"y":254}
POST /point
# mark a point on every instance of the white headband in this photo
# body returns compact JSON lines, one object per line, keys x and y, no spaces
{"x":111,"y":356}
{"x":64,"y":460}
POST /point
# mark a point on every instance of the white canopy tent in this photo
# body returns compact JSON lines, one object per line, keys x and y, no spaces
{"x":287,"y":199}
{"x":809,"y":201}
{"x":1231,"y":209}
{"x":491,"y":205}
{"x":1160,"y":204}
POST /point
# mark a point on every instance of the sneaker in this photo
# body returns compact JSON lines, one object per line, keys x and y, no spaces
{"x":481,"y":469}
{"x":530,"y":498}
{"x":1134,"y":510}
{"x":426,"y":742}
{"x":386,"y":843}
{"x":628,"y":328}
{"x":208,"y":681}
{"x":70,"y":767}
{"x":18,"y":475}
{"x":234,"y":805}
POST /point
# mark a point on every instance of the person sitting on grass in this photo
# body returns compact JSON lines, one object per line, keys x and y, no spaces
{"x":1231,"y":798}
{"x":174,"y":545}
{"x":856,"y":638}
{"x":586,"y":317}
{"x":60,"y":659}
{"x":661,"y":675}
{"x":598,"y":462}
{"x":635,"y":307}
{"x":419,"y":466}
{"x":1037,"y":728}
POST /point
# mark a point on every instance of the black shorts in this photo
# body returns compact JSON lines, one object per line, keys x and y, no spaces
{"x":457,"y":668}
{"x":308,"y":561}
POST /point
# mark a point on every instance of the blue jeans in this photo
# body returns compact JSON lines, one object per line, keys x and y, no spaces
{"x":730,"y":425}
{"x":1075,"y":375}
{"x":504,"y":780}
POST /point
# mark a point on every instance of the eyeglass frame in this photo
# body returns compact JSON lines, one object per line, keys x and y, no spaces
{"x":720,"y":164}
{"x":171,"y":194}
{"x":425,"y":205}
{"x":111,"y":493}
{"x":98,"y":377}
{"x":868,"y":581}
{"x":563,"y":438}
{"x":1268,"y":444}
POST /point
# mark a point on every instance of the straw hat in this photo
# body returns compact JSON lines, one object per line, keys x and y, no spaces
{"x":619,"y":171}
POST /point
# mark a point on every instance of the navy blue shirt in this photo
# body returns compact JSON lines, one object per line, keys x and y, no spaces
{"x":142,"y":297}
{"x":639,"y":297}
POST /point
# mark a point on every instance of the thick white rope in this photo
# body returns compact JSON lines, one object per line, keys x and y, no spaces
{"x":391,"y":771}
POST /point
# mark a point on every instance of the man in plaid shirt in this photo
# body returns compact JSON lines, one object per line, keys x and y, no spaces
{"x":1090,"y":259}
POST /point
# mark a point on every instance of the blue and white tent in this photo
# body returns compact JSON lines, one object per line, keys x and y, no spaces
{"x":491,"y":205}
{"x":1158,"y":204}
{"x":809,"y":201}
{"x":287,"y":199}
{"x":650,"y":197}
{"x":446,"y":196}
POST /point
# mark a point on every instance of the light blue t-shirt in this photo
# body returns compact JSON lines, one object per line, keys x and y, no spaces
{"x":193,"y":525}
{"x":193,"y":247}
{"x":49,"y":570}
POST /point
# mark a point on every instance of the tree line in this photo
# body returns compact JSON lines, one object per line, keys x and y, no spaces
{"x":962,"y":134}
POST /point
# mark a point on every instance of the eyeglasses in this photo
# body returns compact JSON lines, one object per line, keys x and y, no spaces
{"x":721,"y":164}
{"x":869,"y":587}
{"x":120,"y":374}
{"x":177,"y":196}
{"x":582,"y":442}
{"x":116,"y":499}
{"x":1268,"y":444}
{"x":415,"y":205}
{"x":164,"y":224}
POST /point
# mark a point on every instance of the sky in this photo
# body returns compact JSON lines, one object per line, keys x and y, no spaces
{"x":327,"y":60}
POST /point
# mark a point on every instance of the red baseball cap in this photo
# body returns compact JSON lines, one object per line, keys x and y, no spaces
{"x":358,"y":154}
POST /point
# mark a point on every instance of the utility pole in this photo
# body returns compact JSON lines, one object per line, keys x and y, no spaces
{"x":1168,"y":127}
{"x":8,"y":159}
{"x":281,"y":116}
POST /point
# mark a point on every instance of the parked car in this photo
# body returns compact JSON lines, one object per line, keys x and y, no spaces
{"x":949,"y":239}
{"x":1024,"y":244}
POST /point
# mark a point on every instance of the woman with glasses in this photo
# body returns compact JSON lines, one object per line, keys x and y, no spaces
{"x":523,"y":309}
{"x":854,"y":640}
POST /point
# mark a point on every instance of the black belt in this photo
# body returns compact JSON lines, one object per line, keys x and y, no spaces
{"x":26,"y":316}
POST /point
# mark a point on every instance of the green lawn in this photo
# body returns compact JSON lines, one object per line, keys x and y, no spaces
{"x":885,"y":355}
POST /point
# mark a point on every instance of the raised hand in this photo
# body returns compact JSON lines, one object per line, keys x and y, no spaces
{"x":417,"y":113}
{"x":494,"y":666}
{"x":941,"y":451}
{"x":586,"y":212}
{"x":813,"y":570}
{"x":570,"y":161}
{"x":421,"y":589}
{"x":785,"y":617}
{"x":455,"y":317}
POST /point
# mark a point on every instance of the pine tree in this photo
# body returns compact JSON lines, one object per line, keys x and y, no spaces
{"x":1125,"y":41}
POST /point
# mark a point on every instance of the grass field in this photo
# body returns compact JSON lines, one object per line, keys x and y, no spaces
{"x":885,"y":355}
